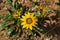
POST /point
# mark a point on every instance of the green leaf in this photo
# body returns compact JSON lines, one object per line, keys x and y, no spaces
{"x":13,"y":4}
{"x":16,"y":5}
{"x":7,"y":19}
{"x":2,"y":27}
{"x":58,"y":3}
{"x":1,"y":16}
{"x":40,"y":28}
{"x":30,"y":32}
{"x":10,"y":2}
{"x":37,"y":14}
{"x":9,"y":30}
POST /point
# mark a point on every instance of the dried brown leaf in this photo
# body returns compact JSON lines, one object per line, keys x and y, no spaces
{"x":3,"y":12}
{"x":12,"y":22}
{"x":50,"y":14}
{"x":1,"y":20}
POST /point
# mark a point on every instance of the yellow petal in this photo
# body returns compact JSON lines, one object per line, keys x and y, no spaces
{"x":27,"y":27}
{"x":24,"y":26}
{"x":23,"y":16}
{"x":22,"y":23}
{"x":30,"y":27}
{"x":32,"y":14}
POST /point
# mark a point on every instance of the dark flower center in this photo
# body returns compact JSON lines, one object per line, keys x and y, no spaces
{"x":29,"y":20}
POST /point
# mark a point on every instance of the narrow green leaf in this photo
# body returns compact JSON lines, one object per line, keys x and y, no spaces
{"x":30,"y":32}
{"x":9,"y":30}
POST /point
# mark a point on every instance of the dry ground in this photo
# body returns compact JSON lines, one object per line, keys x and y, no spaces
{"x":51,"y":3}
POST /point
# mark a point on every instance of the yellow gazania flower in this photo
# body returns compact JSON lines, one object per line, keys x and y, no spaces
{"x":17,"y":14}
{"x":29,"y":20}
{"x":42,"y":9}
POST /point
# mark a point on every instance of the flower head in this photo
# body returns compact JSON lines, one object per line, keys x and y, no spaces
{"x":28,"y":21}
{"x":17,"y":14}
{"x":42,"y":9}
